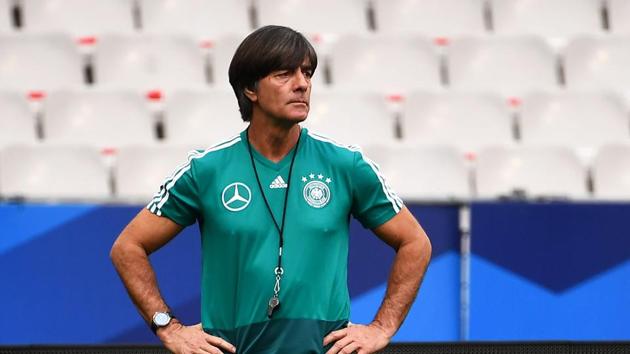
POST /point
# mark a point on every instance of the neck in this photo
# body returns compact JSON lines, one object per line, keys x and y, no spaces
{"x":273,"y":141}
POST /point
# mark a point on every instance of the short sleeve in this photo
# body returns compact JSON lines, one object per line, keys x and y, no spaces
{"x":373,"y":201}
{"x":177,"y":198}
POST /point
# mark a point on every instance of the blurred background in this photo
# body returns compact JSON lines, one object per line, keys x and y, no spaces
{"x":503,"y":124}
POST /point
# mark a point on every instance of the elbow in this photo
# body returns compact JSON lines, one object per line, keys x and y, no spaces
{"x":424,"y":246}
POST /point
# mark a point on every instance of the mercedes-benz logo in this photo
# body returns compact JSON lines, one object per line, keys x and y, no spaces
{"x":236,"y":196}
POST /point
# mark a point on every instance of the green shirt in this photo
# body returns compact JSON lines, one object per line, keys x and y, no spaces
{"x":218,"y":188}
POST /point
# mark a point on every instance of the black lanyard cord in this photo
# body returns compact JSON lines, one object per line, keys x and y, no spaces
{"x":280,"y":227}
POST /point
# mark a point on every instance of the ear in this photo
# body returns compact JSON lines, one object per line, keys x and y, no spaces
{"x":251,"y":94}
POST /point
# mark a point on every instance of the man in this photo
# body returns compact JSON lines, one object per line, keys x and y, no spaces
{"x":273,"y":206}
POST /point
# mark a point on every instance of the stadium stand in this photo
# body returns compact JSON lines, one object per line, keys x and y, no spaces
{"x":466,"y":121}
{"x":439,"y":172}
{"x":619,"y":16}
{"x":385,"y":63}
{"x":582,"y":121}
{"x":434,"y":18}
{"x":555,"y":20}
{"x":141,"y":169}
{"x":149,"y":62}
{"x":352,"y":118}
{"x":323,"y":16}
{"x":597,"y":62}
{"x":202,"y":19}
{"x":611,"y":173}
{"x":201,"y":117}
{"x":39,"y":62}
{"x":52,"y":172}
{"x":17,"y":120}
{"x":102,"y":118}
{"x":79,"y":18}
{"x":533,"y":172}
{"x":503,"y":64}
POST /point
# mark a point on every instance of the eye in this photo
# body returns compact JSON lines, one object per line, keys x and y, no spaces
{"x":282,"y":74}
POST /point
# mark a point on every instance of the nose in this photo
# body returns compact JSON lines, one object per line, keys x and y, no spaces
{"x":301,"y":80}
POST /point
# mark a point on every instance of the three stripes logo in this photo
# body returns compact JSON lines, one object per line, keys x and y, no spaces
{"x":278,"y":183}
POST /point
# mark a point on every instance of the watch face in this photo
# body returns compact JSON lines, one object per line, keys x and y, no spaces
{"x":161,"y":319}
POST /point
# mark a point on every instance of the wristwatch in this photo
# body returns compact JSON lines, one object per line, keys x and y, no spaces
{"x":160,"y":319}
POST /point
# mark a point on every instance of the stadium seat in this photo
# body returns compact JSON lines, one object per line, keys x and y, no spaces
{"x":103,"y":118}
{"x":53,"y":172}
{"x":17,"y":120}
{"x":466,"y":121}
{"x":39,"y":62}
{"x":506,"y":65}
{"x":140,"y":170}
{"x":619,"y":15}
{"x":351,"y":118}
{"x":432,"y":173}
{"x":579,"y":120}
{"x":322,"y":16}
{"x":611,"y":173}
{"x":202,"y":19}
{"x":149,"y":62}
{"x":435,"y":18}
{"x":536,"y":172}
{"x":201,"y":117}
{"x":557,"y":19}
{"x":6,"y":24}
{"x":386,"y":63}
{"x":598,"y":63}
{"x":79,"y":18}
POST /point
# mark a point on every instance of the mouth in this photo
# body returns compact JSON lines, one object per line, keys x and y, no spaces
{"x":299,"y":102}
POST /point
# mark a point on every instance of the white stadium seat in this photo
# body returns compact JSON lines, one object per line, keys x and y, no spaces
{"x":80,"y":18}
{"x":466,"y":121}
{"x":553,"y":19}
{"x":619,"y":15}
{"x":53,"y":172}
{"x":351,"y":118}
{"x":202,"y":19}
{"x":611,"y":173}
{"x":598,"y":63}
{"x":433,"y":173}
{"x":201,"y":117}
{"x":322,"y":16}
{"x":436,"y":18}
{"x":386,"y":63}
{"x":220,"y":57}
{"x":17,"y":120}
{"x":39,"y":62}
{"x":149,"y":62}
{"x":548,"y":172}
{"x":579,"y":120}
{"x":6,"y":24}
{"x":507,"y":65}
{"x":140,"y":170}
{"x":103,"y":118}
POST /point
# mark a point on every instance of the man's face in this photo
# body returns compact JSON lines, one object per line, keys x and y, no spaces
{"x":284,"y":94}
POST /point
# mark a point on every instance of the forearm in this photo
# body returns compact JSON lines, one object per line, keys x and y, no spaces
{"x":406,"y":275}
{"x":135,"y":270}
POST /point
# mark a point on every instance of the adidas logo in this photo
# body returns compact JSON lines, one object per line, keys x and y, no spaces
{"x":278,"y":183}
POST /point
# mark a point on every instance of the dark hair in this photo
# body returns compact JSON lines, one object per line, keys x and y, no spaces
{"x":267,"y":49}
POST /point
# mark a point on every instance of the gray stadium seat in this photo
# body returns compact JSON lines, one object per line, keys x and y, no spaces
{"x":202,"y":19}
{"x":466,"y":121}
{"x":201,"y":117}
{"x":428,"y":173}
{"x":436,"y":18}
{"x":53,"y":172}
{"x":39,"y":62}
{"x":78,"y":18}
{"x":17,"y":120}
{"x":539,"y":172}
{"x":149,"y":62}
{"x":104,"y":118}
